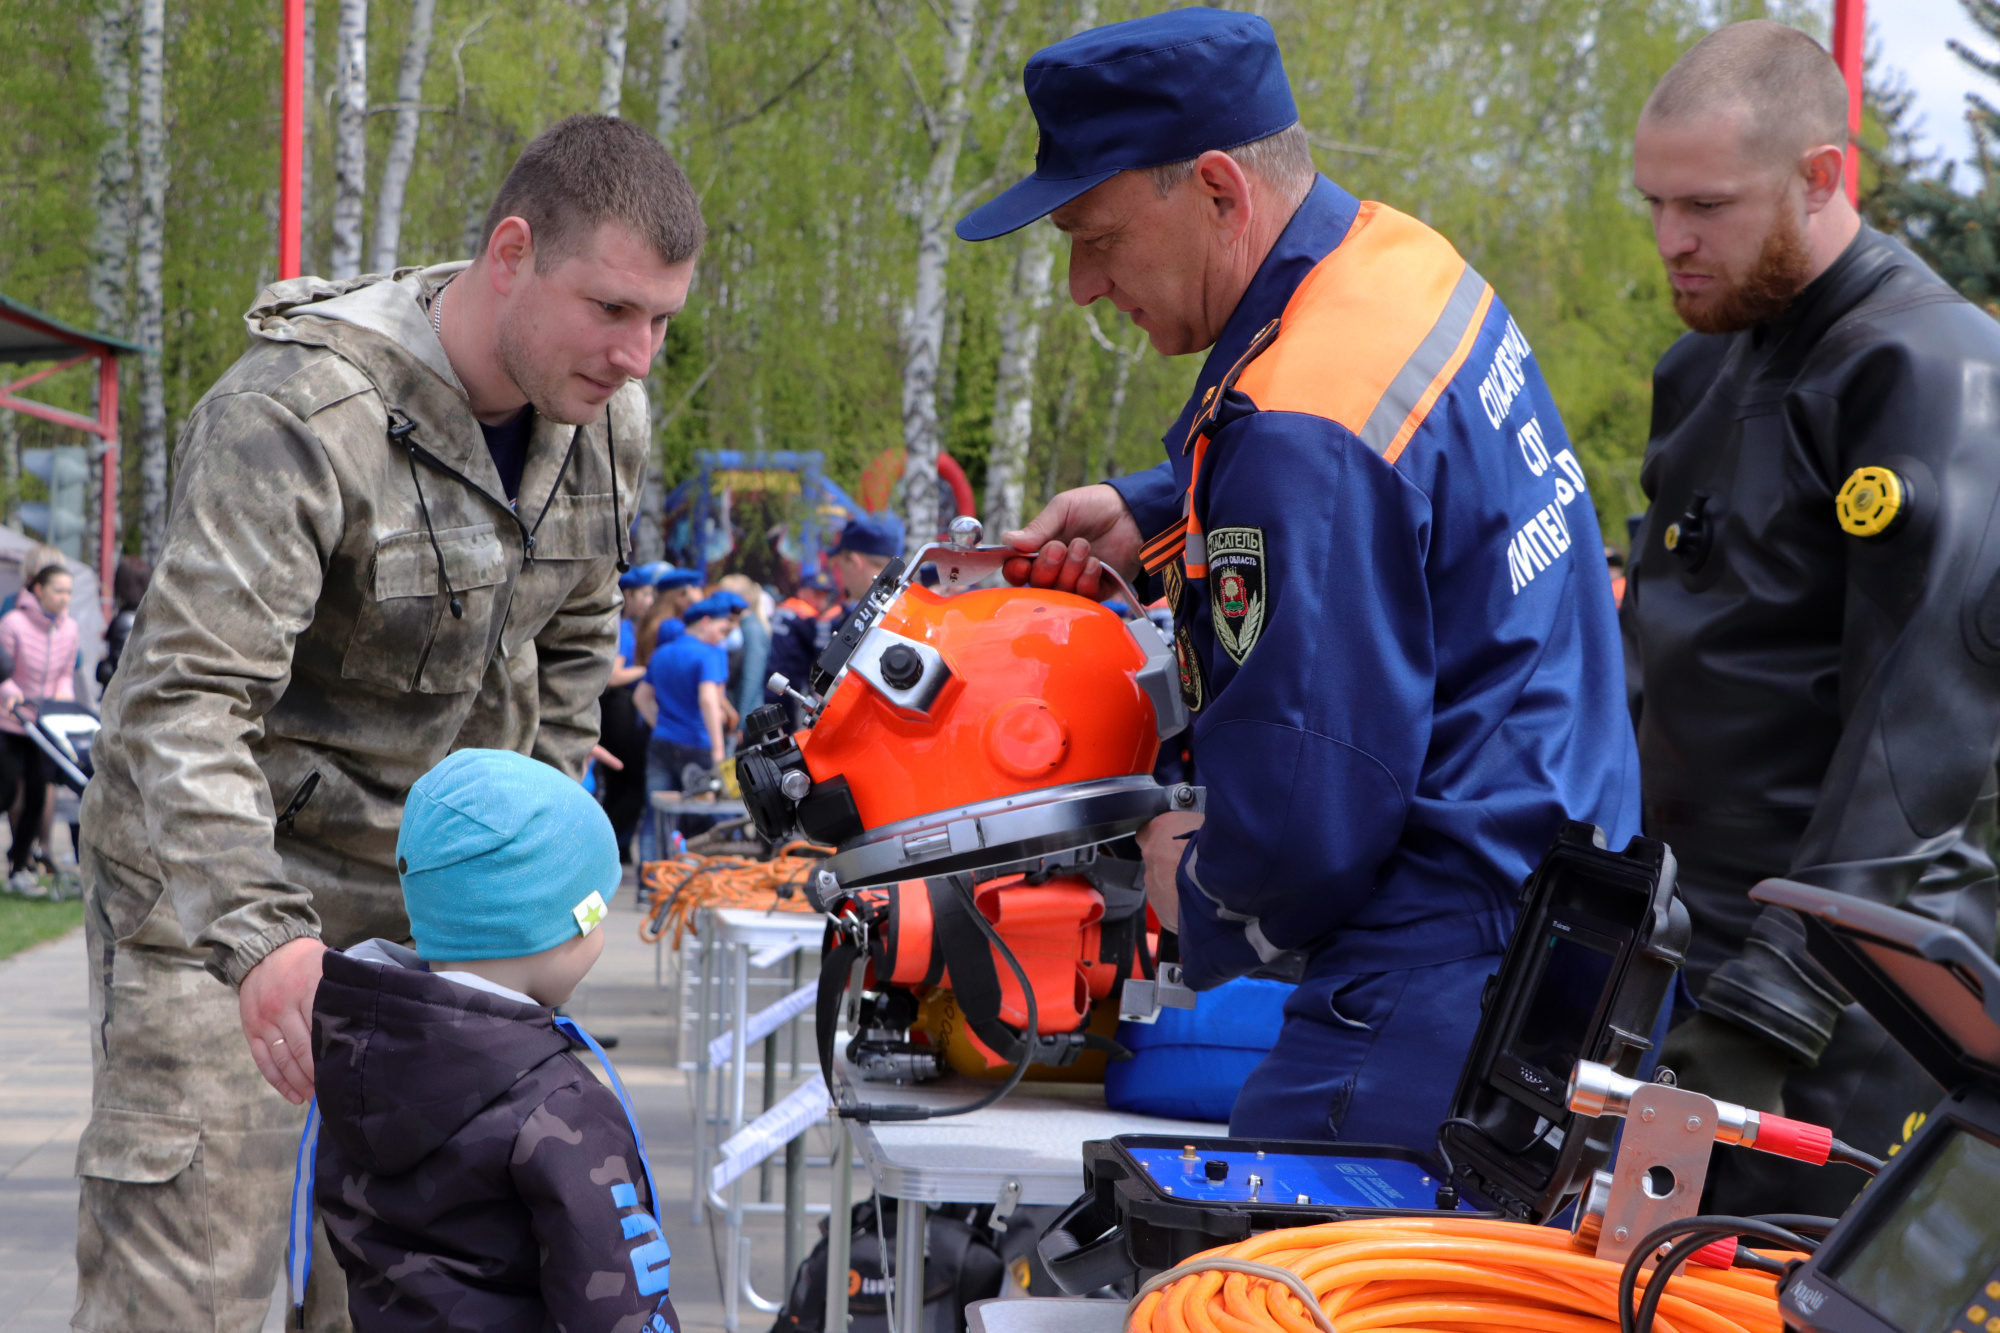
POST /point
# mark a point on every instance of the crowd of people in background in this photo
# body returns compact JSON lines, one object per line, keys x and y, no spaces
{"x":694,"y":659}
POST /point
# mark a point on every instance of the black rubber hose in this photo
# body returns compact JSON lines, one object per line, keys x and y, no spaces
{"x":903,"y":1111}
{"x":1698,"y":1232}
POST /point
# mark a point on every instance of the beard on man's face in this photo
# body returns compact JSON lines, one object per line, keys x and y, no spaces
{"x":1780,"y":273}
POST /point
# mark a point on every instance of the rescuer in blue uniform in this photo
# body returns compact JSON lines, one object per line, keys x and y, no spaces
{"x":865,"y":545}
{"x":1392,"y":619}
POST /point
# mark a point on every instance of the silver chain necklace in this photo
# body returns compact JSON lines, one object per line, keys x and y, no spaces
{"x":437,"y":310}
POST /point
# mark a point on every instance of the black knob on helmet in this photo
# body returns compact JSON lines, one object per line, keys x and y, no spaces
{"x":902,"y":666}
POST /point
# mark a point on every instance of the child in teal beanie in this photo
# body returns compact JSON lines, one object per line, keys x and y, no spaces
{"x":472,"y":1173}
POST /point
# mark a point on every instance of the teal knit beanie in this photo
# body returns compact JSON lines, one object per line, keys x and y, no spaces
{"x":501,"y":857}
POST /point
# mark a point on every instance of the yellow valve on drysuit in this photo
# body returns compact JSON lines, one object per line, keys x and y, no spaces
{"x":1871,"y":502}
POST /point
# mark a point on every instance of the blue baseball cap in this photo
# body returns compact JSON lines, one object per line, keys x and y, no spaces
{"x":501,"y":856}
{"x":1139,"y":94}
{"x":871,"y":534}
{"x":709,"y":607}
{"x":817,"y":581}
{"x":671,"y":577}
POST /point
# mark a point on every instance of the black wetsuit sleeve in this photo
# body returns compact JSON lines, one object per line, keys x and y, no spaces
{"x":1916,"y":392}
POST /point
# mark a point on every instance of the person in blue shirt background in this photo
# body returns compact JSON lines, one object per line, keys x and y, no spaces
{"x":866,"y":544}
{"x":684,"y":698}
{"x":1404,"y":676}
{"x":674,"y":590}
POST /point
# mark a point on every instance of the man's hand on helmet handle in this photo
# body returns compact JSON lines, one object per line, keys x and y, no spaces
{"x":1162,"y":842}
{"x":1067,"y":544}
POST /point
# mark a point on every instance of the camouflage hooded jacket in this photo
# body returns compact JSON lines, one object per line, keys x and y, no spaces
{"x":298,"y":662}
{"x":471,"y":1172}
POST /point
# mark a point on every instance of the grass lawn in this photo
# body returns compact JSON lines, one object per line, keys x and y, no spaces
{"x":26,"y":921}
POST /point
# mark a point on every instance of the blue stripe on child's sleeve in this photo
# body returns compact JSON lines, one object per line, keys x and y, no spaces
{"x":624,"y":1196}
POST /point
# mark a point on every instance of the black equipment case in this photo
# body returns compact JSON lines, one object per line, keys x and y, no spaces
{"x":1919,"y":1251}
{"x":1600,"y":938}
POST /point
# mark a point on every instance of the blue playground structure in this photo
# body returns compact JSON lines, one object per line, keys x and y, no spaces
{"x":700,"y":512}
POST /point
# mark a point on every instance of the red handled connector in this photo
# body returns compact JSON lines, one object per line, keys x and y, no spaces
{"x":1716,"y":1254}
{"x":1792,"y":1138}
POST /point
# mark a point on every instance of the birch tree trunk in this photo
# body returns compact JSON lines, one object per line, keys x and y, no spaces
{"x":403,"y":139}
{"x":350,"y":141}
{"x":111,"y":188}
{"x":1021,"y":307}
{"x":152,"y":308}
{"x":923,"y":321}
{"x":611,"y":82}
{"x":672,"y":87}
{"x":110,"y":29}
{"x":1121,"y":379}
{"x":476,"y":204}
{"x":1123,"y":359}
{"x":649,"y":540}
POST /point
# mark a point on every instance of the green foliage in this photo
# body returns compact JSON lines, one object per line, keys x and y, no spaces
{"x":1910,"y":194}
{"x":25,"y":922}
{"x":1504,"y":123}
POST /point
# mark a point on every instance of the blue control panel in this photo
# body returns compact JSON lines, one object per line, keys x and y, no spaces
{"x":1327,"y":1180}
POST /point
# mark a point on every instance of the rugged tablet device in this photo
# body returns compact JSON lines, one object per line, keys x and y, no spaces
{"x":1919,"y":1252}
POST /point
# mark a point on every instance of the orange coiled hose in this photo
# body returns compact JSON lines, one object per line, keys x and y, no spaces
{"x":1435,"y":1275}
{"x":679,"y":887}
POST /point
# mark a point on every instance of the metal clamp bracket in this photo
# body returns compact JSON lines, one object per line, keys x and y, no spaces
{"x":1662,"y":1162}
{"x":1140,"y":1000}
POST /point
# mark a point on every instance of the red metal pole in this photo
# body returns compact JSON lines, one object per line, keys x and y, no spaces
{"x":1850,"y":29}
{"x":291,"y":140}
{"x":107,"y":492}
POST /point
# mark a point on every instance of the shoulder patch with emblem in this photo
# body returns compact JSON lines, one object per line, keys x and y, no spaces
{"x":1238,"y":597}
{"x":1192,"y":691}
{"x":1175,"y":577}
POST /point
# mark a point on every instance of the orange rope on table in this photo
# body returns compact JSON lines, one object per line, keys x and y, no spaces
{"x":1439,"y":1275}
{"x":680,"y":887}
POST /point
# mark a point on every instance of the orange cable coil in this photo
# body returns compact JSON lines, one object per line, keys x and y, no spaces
{"x":1440,"y":1275}
{"x":683,"y":886}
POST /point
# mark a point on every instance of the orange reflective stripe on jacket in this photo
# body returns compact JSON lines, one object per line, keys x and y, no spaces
{"x":1371,"y":339}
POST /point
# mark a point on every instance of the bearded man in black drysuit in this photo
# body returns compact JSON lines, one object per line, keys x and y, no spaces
{"x":1812,"y":623}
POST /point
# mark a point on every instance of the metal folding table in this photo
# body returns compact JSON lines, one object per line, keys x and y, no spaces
{"x":666,"y":804}
{"x":1025,"y":1149}
{"x":734,"y":942}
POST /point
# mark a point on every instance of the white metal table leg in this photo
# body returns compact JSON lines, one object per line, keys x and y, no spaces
{"x":839,"y":1229}
{"x":909,"y":1284}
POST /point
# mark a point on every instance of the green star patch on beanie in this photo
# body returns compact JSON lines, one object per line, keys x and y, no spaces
{"x":502,"y":856}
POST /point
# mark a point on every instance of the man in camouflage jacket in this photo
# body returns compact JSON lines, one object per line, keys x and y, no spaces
{"x":349,"y":590}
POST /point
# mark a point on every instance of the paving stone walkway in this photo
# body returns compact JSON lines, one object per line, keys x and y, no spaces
{"x":45,"y":1100}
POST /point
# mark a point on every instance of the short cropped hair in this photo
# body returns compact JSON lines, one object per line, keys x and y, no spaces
{"x":1283,"y":159}
{"x":1792,"y":90}
{"x":586,"y":171}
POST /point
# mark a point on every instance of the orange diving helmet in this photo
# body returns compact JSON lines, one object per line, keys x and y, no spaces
{"x":959,"y":728}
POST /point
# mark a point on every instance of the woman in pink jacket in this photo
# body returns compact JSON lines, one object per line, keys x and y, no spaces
{"x":42,"y":639}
